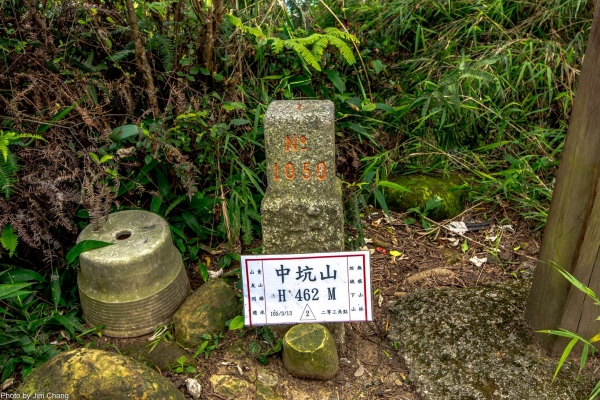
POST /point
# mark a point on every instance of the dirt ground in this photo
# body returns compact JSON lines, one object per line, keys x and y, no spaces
{"x":370,"y":366}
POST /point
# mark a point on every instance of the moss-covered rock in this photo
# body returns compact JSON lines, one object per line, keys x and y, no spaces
{"x":309,"y":352}
{"x":474,"y":344}
{"x":422,"y":188}
{"x":205,"y":311}
{"x":228,"y":386}
{"x":99,"y":375}
{"x":164,"y":355}
{"x":264,"y":392}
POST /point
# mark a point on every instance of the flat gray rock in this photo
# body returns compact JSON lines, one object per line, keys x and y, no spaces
{"x":474,"y":344}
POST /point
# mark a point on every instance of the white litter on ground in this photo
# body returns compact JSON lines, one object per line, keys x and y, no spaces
{"x":457,"y":227}
{"x":478,"y":262}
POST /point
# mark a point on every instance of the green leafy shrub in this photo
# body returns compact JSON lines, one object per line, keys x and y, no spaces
{"x":588,"y":345}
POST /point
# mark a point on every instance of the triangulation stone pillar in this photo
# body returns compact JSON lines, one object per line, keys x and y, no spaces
{"x":302,"y":209}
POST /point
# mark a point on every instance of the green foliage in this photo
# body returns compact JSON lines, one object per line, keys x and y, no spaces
{"x":162,"y":332}
{"x":165,"y":48}
{"x":431,"y":205}
{"x":29,"y":321}
{"x":588,"y":345}
{"x":318,"y":41}
{"x":209,"y":344}
{"x":236,"y":323}
{"x":8,"y":162}
{"x":182,"y":367}
{"x":256,"y":348}
{"x":9,"y":239}
{"x":8,"y":174}
{"x":83,"y":246}
{"x":487,"y":93}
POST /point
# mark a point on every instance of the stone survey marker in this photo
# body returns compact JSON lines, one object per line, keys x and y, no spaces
{"x":302,"y":209}
{"x":327,"y":287}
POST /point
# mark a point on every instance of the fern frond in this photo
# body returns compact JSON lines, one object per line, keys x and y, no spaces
{"x":307,"y":41}
{"x":86,"y":65}
{"x":253,"y":31}
{"x":121,"y":55}
{"x":4,"y":142}
{"x":277,"y":45}
{"x":119,"y":30}
{"x":342,"y":35}
{"x":319,"y":47}
{"x":165,"y":48}
{"x":8,"y":174}
{"x":10,"y":137}
{"x":235,"y":21}
{"x":303,"y":52}
{"x":343,"y":47}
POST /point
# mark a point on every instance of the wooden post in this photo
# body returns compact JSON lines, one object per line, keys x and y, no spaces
{"x":572,"y":234}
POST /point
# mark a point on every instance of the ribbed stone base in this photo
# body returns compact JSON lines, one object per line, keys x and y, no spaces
{"x":137,"y":318}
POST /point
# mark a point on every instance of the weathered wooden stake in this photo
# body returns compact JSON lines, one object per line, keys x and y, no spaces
{"x":572,"y":234}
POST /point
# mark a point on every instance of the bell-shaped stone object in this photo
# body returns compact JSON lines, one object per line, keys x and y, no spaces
{"x":135,"y":284}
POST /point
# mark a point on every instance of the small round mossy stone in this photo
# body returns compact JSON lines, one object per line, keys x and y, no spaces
{"x":309,"y":352}
{"x":99,"y":375}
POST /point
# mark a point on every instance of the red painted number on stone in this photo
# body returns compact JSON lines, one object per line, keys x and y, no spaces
{"x":321,"y":171}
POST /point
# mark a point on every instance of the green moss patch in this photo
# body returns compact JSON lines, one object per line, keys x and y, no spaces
{"x":164,"y":355}
{"x":422,"y":188}
{"x":99,"y":375}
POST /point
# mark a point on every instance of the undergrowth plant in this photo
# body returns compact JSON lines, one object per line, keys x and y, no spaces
{"x":39,"y":315}
{"x":8,"y":162}
{"x":588,"y":345}
{"x":483,"y":86}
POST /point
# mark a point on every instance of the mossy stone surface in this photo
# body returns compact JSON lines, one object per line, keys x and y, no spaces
{"x":99,"y":375}
{"x":302,"y":211}
{"x":265,"y":392}
{"x":229,"y":386}
{"x":309,"y":352}
{"x":474,"y":344}
{"x":205,"y":311}
{"x":164,"y":355}
{"x":422,"y":189}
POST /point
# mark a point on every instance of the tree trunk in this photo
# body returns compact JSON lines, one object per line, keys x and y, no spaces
{"x":572,"y":234}
{"x":140,"y":58}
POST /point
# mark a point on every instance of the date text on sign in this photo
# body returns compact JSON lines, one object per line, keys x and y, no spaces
{"x":297,"y":288}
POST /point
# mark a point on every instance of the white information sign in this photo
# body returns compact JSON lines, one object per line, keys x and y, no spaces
{"x":297,"y":288}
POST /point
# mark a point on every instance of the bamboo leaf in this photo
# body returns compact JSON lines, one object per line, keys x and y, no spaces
{"x":564,"y":356}
{"x":83,"y":246}
{"x":10,"y":290}
{"x":394,"y":186}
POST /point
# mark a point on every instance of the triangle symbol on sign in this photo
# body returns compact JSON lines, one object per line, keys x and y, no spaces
{"x":307,"y":314}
